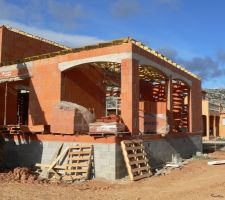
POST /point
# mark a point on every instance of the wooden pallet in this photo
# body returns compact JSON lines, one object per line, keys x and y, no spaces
{"x":79,"y":162}
{"x":136,"y":159}
{"x":17,"y":129}
{"x":9,"y":129}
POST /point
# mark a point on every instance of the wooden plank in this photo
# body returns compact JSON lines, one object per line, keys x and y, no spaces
{"x":48,"y":165}
{"x":57,"y":153}
{"x":125,"y":155}
{"x":58,"y":158}
{"x":80,"y":147}
{"x":75,"y":170}
{"x":86,"y":158}
{"x":216,"y":162}
{"x":77,"y":165}
{"x":132,"y":141}
{"x":133,"y":155}
{"x":138,"y":162}
{"x":135,"y":148}
{"x":140,"y":169}
{"x":79,"y":152}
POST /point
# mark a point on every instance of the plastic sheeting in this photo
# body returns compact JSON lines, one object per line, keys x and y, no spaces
{"x":83,"y":116}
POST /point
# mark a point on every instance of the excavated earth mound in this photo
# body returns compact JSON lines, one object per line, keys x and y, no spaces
{"x":19,"y":174}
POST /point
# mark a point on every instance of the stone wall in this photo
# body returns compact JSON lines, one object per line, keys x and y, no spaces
{"x":108,"y":158}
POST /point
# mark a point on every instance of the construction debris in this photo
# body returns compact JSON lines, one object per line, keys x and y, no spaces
{"x":136,"y":159}
{"x":176,"y":163}
{"x":83,"y":116}
{"x":79,"y":162}
{"x":200,"y":156}
{"x":216,"y":162}
{"x":17,"y":129}
{"x":103,"y":128}
{"x":72,"y":164}
{"x":167,"y":169}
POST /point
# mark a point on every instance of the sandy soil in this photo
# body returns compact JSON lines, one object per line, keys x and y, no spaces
{"x":196,"y":181}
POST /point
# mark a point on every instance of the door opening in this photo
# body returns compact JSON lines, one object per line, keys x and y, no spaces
{"x":22,"y":107}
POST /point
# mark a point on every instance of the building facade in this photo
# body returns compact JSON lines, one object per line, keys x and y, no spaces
{"x":68,"y":89}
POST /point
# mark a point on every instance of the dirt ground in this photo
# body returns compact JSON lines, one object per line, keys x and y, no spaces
{"x":196,"y":180}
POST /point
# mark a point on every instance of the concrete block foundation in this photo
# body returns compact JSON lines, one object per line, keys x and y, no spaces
{"x":108,"y":158}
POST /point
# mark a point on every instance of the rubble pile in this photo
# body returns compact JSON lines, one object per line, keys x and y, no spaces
{"x":20,"y":174}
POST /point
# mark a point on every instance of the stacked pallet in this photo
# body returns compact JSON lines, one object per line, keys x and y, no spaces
{"x":72,"y":164}
{"x":159,"y":92}
{"x":136,"y":159}
{"x":180,"y":107}
{"x":79,"y":162}
{"x":102,"y":129}
{"x":108,"y":125}
{"x":10,"y":129}
{"x":17,"y":129}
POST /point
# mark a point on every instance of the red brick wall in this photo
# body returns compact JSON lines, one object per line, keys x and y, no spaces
{"x":11,"y":117}
{"x":196,"y":106}
{"x":2,"y":100}
{"x":16,"y":46}
{"x":196,"y":103}
{"x":0,"y":44}
{"x":145,"y":91}
{"x":44,"y":88}
{"x":84,"y":86}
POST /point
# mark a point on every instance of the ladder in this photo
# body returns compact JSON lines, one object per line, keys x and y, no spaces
{"x":136,"y":159}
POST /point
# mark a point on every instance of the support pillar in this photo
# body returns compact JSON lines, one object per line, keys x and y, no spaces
{"x":169,"y":103}
{"x":5,"y":104}
{"x":207,"y":127}
{"x":191,"y":109}
{"x":214,"y":126}
{"x":130,"y":94}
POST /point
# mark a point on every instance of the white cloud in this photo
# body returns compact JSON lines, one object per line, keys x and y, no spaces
{"x":71,"y":40}
{"x":124,"y":8}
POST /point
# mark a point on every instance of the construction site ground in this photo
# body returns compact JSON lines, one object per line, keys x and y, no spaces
{"x":196,"y":180}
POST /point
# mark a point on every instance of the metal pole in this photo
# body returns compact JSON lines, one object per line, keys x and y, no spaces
{"x":5,"y":108}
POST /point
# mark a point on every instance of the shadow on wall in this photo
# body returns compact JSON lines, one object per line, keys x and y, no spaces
{"x":25,"y":150}
{"x":22,"y":151}
{"x":37,"y":115}
{"x":160,"y":151}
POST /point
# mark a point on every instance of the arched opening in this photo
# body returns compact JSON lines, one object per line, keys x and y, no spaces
{"x":153,"y":101}
{"x":91,"y":91}
{"x":181,"y":102}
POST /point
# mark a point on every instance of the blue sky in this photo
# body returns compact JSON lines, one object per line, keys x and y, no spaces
{"x":190,"y":32}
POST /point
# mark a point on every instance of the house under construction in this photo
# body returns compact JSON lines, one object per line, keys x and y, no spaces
{"x":100,"y":95}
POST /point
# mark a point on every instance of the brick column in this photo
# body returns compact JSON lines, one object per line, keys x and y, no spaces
{"x":207,"y":126}
{"x":169,"y":103}
{"x":214,"y":126}
{"x":130,"y":94}
{"x":195,"y":107}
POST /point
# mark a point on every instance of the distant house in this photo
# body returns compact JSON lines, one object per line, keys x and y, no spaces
{"x":213,"y":114}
